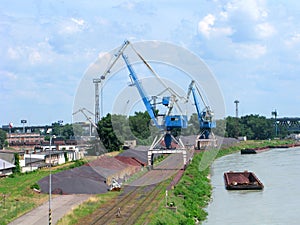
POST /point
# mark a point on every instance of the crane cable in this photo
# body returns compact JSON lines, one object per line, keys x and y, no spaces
{"x":156,"y":75}
{"x":206,"y":106}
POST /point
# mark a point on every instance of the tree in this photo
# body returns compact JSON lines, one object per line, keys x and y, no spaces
{"x":2,"y":138}
{"x":121,"y":128}
{"x":17,"y":169}
{"x":139,"y":124}
{"x":220,"y":129}
{"x":77,"y":130}
{"x":255,"y":127}
{"x":232,"y":124}
{"x":193,"y":126}
{"x":67,"y":131}
{"x":107,"y":135}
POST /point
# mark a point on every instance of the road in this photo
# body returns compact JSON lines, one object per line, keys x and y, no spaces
{"x":60,"y":205}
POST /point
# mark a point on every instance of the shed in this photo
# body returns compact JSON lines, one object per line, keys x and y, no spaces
{"x":6,"y":168}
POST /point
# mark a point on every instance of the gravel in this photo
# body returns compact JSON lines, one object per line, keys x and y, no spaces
{"x":80,"y":180}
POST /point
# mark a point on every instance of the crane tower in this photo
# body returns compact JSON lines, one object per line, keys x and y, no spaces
{"x":96,"y":81}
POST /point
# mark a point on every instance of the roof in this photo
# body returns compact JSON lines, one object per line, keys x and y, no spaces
{"x":12,"y":151}
{"x":129,"y":160}
{"x":55,"y":152}
{"x":5,"y":165}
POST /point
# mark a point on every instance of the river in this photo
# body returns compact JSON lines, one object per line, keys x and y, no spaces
{"x":277,"y":204}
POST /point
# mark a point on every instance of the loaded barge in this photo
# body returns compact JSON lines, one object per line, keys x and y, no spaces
{"x":242,"y":181}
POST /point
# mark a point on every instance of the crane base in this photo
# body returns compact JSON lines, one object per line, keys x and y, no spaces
{"x":166,"y":151}
{"x":159,"y":147}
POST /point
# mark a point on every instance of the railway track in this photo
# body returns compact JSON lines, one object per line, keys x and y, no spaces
{"x":128,"y":208}
{"x":138,"y":199}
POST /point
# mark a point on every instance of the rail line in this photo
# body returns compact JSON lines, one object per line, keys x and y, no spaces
{"x":144,"y":205}
{"x":138,"y":199}
{"x":110,"y":213}
{"x":130,"y":207}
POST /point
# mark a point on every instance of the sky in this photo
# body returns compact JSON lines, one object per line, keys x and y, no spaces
{"x":251,"y":46}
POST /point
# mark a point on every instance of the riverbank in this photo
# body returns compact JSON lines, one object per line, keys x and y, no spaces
{"x":193,"y":192}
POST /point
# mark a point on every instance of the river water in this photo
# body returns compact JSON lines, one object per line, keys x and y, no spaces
{"x":277,"y":204}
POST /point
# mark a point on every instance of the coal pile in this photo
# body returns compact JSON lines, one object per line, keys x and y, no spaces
{"x":80,"y":180}
{"x":139,"y":153}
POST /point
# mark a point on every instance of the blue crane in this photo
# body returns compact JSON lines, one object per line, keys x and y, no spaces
{"x":145,"y":98}
{"x":205,"y":117}
{"x":170,"y":121}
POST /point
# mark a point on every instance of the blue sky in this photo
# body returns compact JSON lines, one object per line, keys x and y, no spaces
{"x":251,"y":46}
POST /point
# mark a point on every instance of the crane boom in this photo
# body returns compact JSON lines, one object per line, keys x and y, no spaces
{"x":82,"y":110}
{"x":117,"y":55}
{"x":141,"y":91}
{"x":205,"y":117}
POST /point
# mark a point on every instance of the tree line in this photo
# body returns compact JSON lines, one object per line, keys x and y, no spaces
{"x":113,"y":130}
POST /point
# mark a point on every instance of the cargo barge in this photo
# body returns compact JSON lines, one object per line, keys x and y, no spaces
{"x":242,"y":181}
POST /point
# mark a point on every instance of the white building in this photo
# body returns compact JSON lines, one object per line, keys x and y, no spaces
{"x":6,"y":168}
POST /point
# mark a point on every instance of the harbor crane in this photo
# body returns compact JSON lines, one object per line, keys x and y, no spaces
{"x":92,"y":123}
{"x":165,"y":143}
{"x":205,"y":118}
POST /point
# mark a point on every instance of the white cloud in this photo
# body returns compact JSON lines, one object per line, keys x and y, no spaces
{"x":102,"y":22}
{"x":293,"y":40}
{"x":207,"y":27}
{"x":13,"y":53}
{"x":72,"y":26}
{"x":253,"y":9}
{"x":35,"y":54}
{"x":128,"y":5}
{"x":79,"y":22}
{"x":265,"y":30}
{"x":35,"y":57}
{"x":9,"y":75}
{"x":250,"y":51}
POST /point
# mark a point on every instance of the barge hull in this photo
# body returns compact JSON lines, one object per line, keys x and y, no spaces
{"x":242,"y":181}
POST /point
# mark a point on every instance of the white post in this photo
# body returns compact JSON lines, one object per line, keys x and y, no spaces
{"x":50,"y":180}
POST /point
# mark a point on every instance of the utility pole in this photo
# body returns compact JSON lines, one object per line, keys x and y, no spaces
{"x":96,"y":81}
{"x":50,"y":180}
{"x":237,"y":117}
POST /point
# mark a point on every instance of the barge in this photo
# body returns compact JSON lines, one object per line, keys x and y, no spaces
{"x":242,"y":181}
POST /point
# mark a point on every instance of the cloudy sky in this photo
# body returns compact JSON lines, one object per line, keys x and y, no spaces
{"x":251,"y":46}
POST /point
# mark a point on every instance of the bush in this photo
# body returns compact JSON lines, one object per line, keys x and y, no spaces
{"x":35,"y":186}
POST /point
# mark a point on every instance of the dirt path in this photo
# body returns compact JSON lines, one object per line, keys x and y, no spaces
{"x":60,"y":205}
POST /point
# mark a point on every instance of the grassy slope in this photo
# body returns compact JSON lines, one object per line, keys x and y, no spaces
{"x":20,"y":198}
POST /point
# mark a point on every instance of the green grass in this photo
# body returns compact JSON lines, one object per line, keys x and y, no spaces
{"x":86,"y":208}
{"x":16,"y":195}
